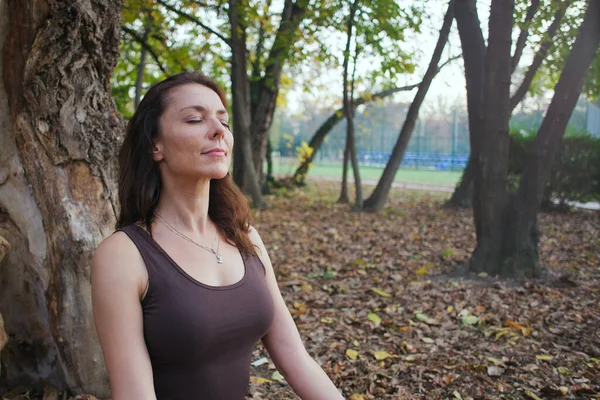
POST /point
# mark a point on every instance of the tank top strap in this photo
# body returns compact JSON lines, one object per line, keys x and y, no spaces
{"x":255,"y":263}
{"x":143,"y":242}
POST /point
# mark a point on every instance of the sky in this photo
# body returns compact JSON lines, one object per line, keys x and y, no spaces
{"x":448,"y":87}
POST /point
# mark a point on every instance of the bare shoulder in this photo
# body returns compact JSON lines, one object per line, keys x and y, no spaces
{"x":261,"y":249}
{"x":255,"y":237}
{"x":117,"y":261}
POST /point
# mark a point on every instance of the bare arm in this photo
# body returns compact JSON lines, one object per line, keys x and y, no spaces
{"x":285,"y":346}
{"x":119,"y":279}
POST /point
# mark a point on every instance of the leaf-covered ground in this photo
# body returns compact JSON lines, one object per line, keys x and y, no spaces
{"x":379,"y":307}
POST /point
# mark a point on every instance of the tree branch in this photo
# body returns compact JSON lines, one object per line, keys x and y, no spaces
{"x":522,"y":40}
{"x":194,"y":20}
{"x":539,"y":57}
{"x":145,"y":45}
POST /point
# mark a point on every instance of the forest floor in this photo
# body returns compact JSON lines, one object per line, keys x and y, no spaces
{"x":379,"y":303}
{"x":382,"y":306}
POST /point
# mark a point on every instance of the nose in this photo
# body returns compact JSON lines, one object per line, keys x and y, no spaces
{"x":218,"y":130}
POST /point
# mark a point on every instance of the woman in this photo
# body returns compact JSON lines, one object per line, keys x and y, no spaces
{"x":185,"y":288}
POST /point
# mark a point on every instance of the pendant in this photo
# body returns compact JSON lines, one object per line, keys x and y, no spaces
{"x":219,"y":258}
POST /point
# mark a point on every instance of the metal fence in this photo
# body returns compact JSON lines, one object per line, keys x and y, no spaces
{"x":593,"y":119}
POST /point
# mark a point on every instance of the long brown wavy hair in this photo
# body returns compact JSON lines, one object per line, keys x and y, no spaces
{"x":139,"y":178}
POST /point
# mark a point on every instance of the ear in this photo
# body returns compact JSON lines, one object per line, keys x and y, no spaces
{"x":157,"y":153}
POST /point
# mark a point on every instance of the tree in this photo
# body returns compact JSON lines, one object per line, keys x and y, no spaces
{"x":348,"y":95}
{"x":551,"y":38}
{"x":57,"y":186}
{"x":506,"y":223}
{"x":377,"y":200}
{"x":241,"y":107}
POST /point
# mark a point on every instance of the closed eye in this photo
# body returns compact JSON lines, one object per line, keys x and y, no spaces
{"x":193,"y":121}
{"x":225,"y":124}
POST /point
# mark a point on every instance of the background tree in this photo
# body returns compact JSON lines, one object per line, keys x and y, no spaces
{"x":542,"y":26}
{"x":57,"y":185}
{"x":506,"y":223}
{"x":377,"y":200}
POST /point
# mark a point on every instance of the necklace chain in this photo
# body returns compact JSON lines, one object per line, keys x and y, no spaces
{"x":181,"y":235}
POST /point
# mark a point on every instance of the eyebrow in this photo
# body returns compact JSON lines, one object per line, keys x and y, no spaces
{"x":222,"y":111}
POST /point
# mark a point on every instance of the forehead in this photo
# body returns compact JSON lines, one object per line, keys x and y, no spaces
{"x":193,"y":94}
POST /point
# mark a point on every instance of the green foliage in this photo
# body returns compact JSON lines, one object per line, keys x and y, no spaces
{"x":173,"y":43}
{"x":549,"y":73}
{"x":575,"y":173}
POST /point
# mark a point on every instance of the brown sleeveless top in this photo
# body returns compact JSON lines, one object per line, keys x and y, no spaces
{"x":200,"y":337}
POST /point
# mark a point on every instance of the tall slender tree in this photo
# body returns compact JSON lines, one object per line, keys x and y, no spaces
{"x":378,"y":198}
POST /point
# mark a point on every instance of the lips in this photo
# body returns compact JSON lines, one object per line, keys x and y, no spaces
{"x":215,"y":151}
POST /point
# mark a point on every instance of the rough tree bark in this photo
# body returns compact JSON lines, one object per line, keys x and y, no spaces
{"x":4,"y":248}
{"x":377,"y":200}
{"x":245,"y":173}
{"x":58,"y":175}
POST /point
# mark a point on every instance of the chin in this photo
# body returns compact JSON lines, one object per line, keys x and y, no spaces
{"x":219,"y":174}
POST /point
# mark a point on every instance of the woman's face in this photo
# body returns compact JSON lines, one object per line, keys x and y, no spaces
{"x":195,"y":140}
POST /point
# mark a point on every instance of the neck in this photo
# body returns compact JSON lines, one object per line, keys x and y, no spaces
{"x":185,"y":205}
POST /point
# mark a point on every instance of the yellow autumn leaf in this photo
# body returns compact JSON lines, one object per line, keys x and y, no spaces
{"x":374,"y":318}
{"x":352,"y":354}
{"x":544,"y":357}
{"x":306,"y":286}
{"x":564,"y":390}
{"x":532,"y":395}
{"x":276,"y":376}
{"x":381,"y":355}
{"x":421,"y":271}
{"x":356,"y":396}
{"x":327,"y":320}
{"x":380,"y":292}
{"x":450,"y":309}
{"x":259,"y":381}
{"x":428,"y":340}
{"x":495,"y":361}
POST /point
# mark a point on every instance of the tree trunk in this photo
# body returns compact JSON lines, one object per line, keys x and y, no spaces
{"x":491,"y":193}
{"x":262,"y":114}
{"x":377,"y":200}
{"x":462,"y":194}
{"x":521,"y":242}
{"x":270,"y":177}
{"x":473,"y":46}
{"x":58,"y":175}
{"x":344,"y":198}
{"x":244,"y":173}
{"x":348,"y":96}
{"x":461,"y":197}
{"x":319,"y":136}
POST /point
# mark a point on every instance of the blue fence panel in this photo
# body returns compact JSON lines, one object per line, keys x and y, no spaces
{"x":438,"y":161}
